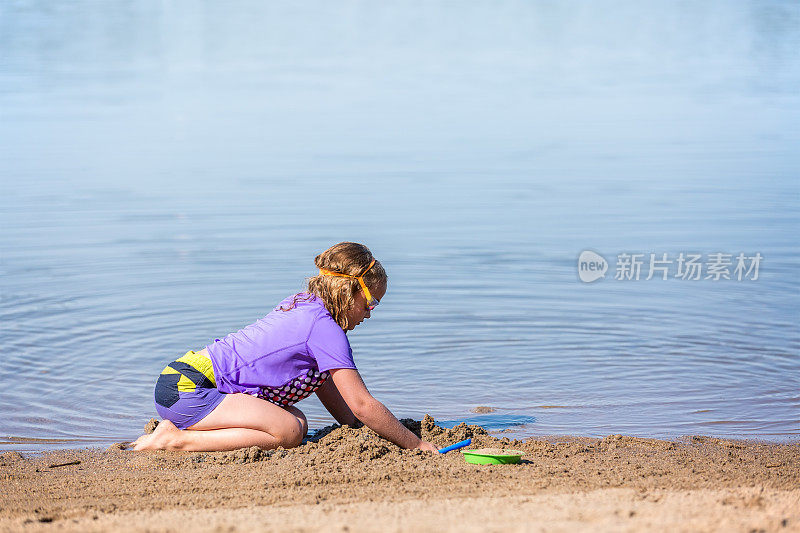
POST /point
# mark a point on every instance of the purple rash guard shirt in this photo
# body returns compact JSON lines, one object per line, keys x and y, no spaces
{"x":285,"y":356}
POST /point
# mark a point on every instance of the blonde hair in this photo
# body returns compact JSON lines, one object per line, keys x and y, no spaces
{"x":336,"y":292}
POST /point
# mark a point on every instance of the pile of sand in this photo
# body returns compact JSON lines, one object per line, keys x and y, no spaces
{"x":343,"y":444}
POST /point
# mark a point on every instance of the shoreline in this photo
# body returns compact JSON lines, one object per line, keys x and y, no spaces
{"x":499,"y":434}
{"x":352,"y":479}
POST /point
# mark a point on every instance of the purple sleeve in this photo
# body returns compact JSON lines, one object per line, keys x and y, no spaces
{"x":328,"y":344}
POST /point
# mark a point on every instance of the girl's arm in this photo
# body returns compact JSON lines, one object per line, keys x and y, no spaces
{"x":373,"y":413}
{"x":329,"y":395}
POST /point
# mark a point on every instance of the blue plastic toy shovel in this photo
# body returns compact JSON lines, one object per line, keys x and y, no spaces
{"x":456,"y":446}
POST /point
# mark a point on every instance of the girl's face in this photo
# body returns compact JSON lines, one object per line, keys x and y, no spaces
{"x":359,"y":311}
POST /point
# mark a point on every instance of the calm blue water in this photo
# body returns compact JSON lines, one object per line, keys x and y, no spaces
{"x":170,"y":169}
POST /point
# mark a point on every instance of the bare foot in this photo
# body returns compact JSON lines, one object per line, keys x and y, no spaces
{"x":165,"y":437}
{"x":140,"y":440}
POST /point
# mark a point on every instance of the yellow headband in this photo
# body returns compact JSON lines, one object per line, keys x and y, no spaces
{"x":324,"y":272}
{"x":367,"y":295}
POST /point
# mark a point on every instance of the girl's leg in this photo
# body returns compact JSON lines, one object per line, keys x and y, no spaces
{"x":239,"y":421}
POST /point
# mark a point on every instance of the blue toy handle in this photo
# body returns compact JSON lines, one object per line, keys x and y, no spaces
{"x":456,"y":446}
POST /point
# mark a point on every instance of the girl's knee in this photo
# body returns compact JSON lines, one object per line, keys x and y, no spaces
{"x":291,"y":428}
{"x":301,"y":419}
{"x":291,"y":435}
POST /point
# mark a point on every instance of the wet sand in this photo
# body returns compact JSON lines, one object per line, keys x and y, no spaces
{"x":345,"y":479}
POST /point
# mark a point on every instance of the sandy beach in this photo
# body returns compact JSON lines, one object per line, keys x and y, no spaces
{"x":347,"y":479}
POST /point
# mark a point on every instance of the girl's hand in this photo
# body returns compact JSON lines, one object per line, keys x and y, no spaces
{"x":427,"y":446}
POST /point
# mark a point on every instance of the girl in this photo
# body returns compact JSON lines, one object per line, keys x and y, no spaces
{"x":239,"y":391}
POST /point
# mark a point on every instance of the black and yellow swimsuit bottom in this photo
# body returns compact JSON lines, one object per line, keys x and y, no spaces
{"x":186,"y":390}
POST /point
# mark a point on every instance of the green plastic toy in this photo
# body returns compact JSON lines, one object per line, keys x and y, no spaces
{"x":492,"y":457}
